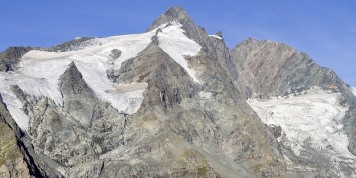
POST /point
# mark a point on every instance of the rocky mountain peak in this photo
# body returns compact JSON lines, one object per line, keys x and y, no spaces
{"x":177,"y":11}
{"x":175,"y":102}
{"x":273,"y":69}
{"x":177,"y":14}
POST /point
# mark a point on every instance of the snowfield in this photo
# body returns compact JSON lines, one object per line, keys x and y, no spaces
{"x":39,"y":71}
{"x":177,"y":45}
{"x":314,"y":118}
{"x":354,"y":90}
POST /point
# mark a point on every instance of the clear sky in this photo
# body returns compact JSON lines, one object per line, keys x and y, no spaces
{"x":325,"y":29}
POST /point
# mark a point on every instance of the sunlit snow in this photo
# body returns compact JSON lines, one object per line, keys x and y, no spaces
{"x":177,"y":45}
{"x":205,"y":95}
{"x":216,"y":36}
{"x":39,"y":71}
{"x":314,"y":117}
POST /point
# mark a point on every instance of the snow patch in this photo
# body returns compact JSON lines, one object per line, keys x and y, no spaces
{"x":12,"y":103}
{"x":216,"y":36}
{"x":315,"y":117}
{"x":354,"y":90}
{"x":205,"y":95}
{"x":173,"y":41}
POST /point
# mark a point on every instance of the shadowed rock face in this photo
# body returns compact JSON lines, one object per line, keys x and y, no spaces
{"x":79,"y":99}
{"x":10,"y":156}
{"x":183,"y":128}
{"x":17,"y":156}
{"x":211,"y":46}
{"x":10,"y":57}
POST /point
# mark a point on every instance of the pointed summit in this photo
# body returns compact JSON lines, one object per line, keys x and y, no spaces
{"x":79,"y":98}
{"x":177,"y":14}
{"x":192,"y":31}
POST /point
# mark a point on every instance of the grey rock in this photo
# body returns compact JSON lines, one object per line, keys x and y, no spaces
{"x":76,"y":132}
{"x":115,"y":54}
{"x":72,"y":45}
{"x":178,"y":131}
{"x":28,"y":164}
{"x":219,"y":34}
{"x":267,"y":69}
{"x":212,"y":47}
{"x":188,"y":116}
{"x":186,"y":138}
{"x":11,"y":56}
{"x":79,"y":99}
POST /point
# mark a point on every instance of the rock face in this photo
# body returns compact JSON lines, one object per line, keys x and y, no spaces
{"x":11,"y":159}
{"x":268,"y":69}
{"x":193,"y":119}
{"x":10,"y":57}
{"x":72,"y":45}
{"x":79,"y":99}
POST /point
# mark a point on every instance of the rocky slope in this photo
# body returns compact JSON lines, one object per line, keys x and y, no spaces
{"x":171,"y":102}
{"x":284,"y":85}
{"x":10,"y":157}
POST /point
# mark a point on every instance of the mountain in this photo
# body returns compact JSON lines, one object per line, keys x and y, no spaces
{"x":173,"y":102}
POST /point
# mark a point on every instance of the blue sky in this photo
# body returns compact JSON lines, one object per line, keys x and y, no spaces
{"x":324,"y":29}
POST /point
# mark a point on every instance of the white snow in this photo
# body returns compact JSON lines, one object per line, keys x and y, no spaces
{"x":12,"y":103}
{"x":314,"y":117}
{"x":216,"y":36}
{"x":39,"y":71}
{"x":92,"y":62}
{"x":354,"y":90}
{"x":173,"y":41}
{"x":205,"y":95}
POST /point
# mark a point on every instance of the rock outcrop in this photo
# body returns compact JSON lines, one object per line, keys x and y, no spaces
{"x":10,"y":57}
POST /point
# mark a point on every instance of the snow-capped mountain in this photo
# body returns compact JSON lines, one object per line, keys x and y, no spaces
{"x":173,"y":101}
{"x":39,"y":71}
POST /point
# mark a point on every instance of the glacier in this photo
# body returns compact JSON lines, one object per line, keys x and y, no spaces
{"x":39,"y":71}
{"x":313,"y":116}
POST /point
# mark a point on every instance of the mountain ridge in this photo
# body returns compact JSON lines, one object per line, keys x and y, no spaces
{"x":170,"y":102}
